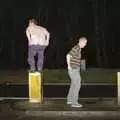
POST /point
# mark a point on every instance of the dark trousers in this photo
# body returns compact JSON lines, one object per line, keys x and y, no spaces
{"x":32,"y":52}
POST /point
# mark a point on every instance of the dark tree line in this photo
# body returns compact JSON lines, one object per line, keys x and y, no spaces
{"x":66,"y":21}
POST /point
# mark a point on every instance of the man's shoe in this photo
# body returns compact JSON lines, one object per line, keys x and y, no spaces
{"x":32,"y":70}
{"x":77,"y":105}
{"x":39,"y":70}
{"x":69,"y":102}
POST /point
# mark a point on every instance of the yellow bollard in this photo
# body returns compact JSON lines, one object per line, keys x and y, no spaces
{"x":35,"y":88}
{"x":118,"y":88}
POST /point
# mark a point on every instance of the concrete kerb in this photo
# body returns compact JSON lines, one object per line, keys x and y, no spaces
{"x":81,"y":114}
{"x":57,"y":107}
{"x":54,"y":107}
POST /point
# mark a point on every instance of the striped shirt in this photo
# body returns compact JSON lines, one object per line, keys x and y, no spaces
{"x":75,"y":58}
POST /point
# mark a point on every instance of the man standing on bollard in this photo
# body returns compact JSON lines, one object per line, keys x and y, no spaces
{"x":38,"y":40}
{"x":73,"y":62}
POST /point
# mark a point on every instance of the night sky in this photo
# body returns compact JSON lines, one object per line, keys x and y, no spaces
{"x":66,"y":20}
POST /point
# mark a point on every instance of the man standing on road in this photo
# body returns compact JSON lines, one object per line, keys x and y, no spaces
{"x":73,"y":62}
{"x":38,"y":40}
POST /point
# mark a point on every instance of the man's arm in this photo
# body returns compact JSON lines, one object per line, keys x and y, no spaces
{"x":68,"y":56}
{"x":47,"y":37}
{"x":28,"y":35}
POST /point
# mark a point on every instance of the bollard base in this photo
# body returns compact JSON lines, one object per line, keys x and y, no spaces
{"x":35,"y":101}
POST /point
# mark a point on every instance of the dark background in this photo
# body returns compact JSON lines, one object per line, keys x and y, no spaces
{"x":66,"y":20}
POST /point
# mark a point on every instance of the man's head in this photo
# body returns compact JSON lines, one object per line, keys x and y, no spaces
{"x":32,"y":21}
{"x":82,"y":42}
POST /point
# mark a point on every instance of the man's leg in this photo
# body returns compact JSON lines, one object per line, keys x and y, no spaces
{"x":70,"y":93}
{"x":75,"y":86}
{"x":31,"y":59}
{"x":40,"y":61}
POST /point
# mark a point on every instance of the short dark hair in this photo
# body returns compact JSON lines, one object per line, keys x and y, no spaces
{"x":33,"y":21}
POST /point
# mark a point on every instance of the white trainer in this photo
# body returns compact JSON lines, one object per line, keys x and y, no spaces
{"x":69,"y":102}
{"x":77,"y":105}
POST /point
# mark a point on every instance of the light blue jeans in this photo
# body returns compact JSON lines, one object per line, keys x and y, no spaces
{"x":75,"y":85}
